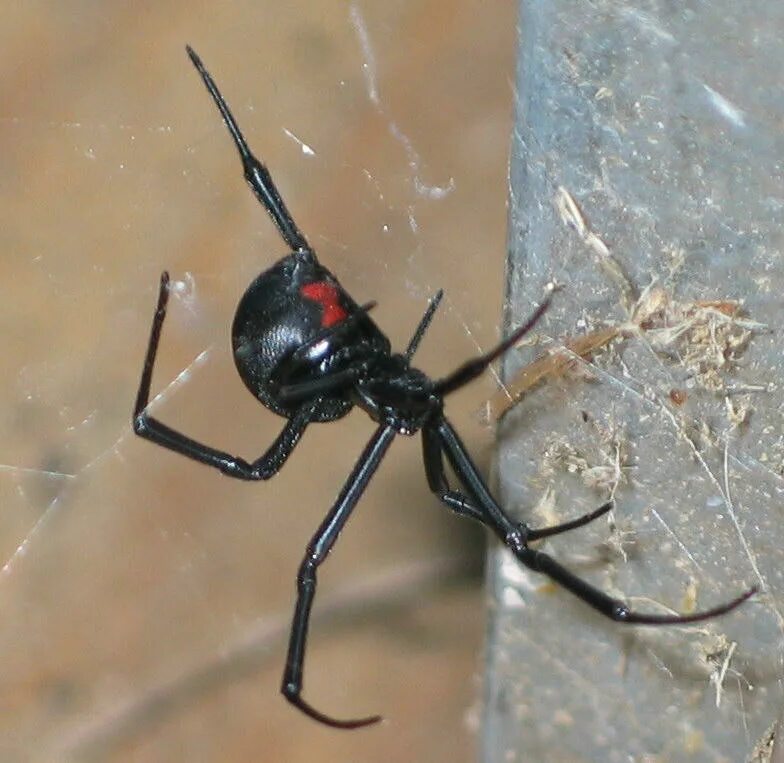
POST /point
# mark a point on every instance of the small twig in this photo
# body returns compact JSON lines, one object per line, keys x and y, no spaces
{"x":718,"y":678}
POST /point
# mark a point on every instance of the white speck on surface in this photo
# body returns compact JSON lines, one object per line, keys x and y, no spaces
{"x":511,"y":598}
{"x":513,"y":574}
{"x":306,"y":149}
{"x":726,"y":108}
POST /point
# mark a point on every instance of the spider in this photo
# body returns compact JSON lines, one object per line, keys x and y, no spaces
{"x":308,"y":352}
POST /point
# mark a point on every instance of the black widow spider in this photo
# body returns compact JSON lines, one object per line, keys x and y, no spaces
{"x":309,"y":353}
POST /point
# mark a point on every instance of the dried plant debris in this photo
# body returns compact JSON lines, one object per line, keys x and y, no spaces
{"x":571,"y":215}
{"x":621,"y":544}
{"x":559,"y":455}
{"x":765,"y":750}
{"x":545,"y":509}
{"x":706,"y":338}
{"x":719,"y":660}
{"x":604,"y":471}
{"x":559,"y":361}
{"x":774,"y":455}
{"x":605,"y":476}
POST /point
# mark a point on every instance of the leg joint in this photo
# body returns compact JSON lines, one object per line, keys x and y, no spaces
{"x":306,"y":576}
{"x":140,"y":424}
{"x":517,"y":538}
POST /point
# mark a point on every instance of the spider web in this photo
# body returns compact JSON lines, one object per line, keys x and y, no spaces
{"x":127,"y":571}
{"x":146,"y":599}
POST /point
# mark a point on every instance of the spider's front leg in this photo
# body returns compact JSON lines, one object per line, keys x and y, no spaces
{"x":317,"y":551}
{"x":257,"y":175}
{"x":150,"y":428}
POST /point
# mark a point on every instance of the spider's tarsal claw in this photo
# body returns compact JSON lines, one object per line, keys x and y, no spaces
{"x":707,"y":614}
{"x":335,"y":723}
{"x":743,"y":597}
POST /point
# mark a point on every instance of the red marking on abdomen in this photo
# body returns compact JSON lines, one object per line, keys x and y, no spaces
{"x":327,"y":295}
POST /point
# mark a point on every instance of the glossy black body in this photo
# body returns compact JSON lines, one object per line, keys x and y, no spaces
{"x":308,"y":352}
{"x":280,"y":336}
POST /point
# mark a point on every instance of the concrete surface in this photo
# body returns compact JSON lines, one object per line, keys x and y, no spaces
{"x":647,"y":181}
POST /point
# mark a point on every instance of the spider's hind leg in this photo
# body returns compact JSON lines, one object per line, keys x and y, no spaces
{"x":318,"y":550}
{"x":468,"y":505}
{"x":606,"y":605}
{"x":516,"y":538}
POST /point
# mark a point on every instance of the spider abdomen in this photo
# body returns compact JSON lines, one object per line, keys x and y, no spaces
{"x":291,"y":326}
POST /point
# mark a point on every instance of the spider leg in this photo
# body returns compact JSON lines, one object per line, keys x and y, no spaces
{"x":475,"y":367}
{"x":606,"y":605}
{"x":318,"y":549}
{"x":436,"y":478}
{"x":516,"y":539}
{"x":470,"y":507}
{"x":257,"y":175}
{"x":151,"y":429}
{"x":423,"y":324}
{"x":290,"y":393}
{"x":546,"y":532}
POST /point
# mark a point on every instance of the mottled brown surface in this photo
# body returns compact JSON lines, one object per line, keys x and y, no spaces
{"x":129,"y":568}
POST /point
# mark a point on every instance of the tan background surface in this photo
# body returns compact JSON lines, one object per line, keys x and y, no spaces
{"x":131,"y":576}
